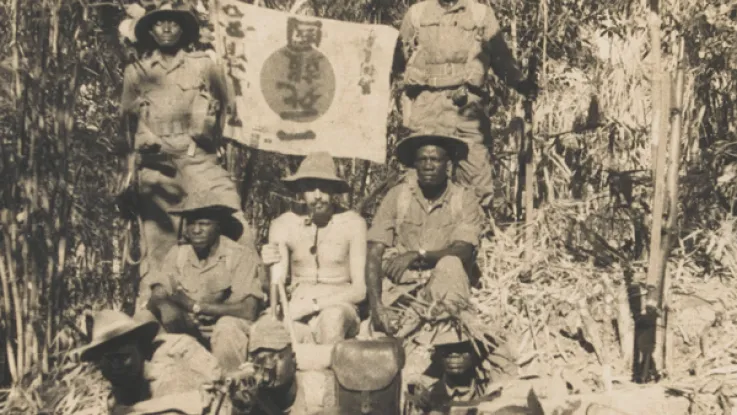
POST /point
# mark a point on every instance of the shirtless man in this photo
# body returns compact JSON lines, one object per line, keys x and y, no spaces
{"x":323,"y":251}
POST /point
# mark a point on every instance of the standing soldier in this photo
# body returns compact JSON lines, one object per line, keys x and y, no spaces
{"x":449,"y":46}
{"x":173,"y":104}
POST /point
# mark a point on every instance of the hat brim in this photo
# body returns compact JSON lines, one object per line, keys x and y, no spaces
{"x":407,"y":148}
{"x":340,"y":185}
{"x":144,"y":331}
{"x":189,"y":22}
{"x":214,"y":210}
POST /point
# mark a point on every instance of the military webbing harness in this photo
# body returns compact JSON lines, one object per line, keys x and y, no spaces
{"x":444,"y":75}
{"x":405,"y":198}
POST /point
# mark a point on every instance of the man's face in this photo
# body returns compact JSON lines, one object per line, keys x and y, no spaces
{"x":166,"y":32}
{"x":202,"y":232}
{"x":122,"y":364}
{"x":317,"y":195}
{"x":431,"y":163}
{"x":457,"y":359}
{"x":279,"y":362}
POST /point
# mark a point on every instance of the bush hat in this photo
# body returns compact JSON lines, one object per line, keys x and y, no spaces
{"x":317,"y":166}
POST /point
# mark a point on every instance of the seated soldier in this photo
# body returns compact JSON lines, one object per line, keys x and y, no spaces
{"x":456,"y":361}
{"x":275,"y":358}
{"x":148,"y":373}
{"x":431,"y":224}
{"x":324,"y":250}
{"x":209,"y":287}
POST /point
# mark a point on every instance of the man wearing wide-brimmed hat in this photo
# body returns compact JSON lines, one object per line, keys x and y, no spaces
{"x":324,"y":250}
{"x":210,"y":286}
{"x":456,"y":357}
{"x":152,"y":373}
{"x":425,"y":230}
{"x":173,"y":106}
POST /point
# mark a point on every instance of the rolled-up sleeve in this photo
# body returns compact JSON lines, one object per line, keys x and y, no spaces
{"x":470,"y":221}
{"x":247,"y":277}
{"x":382,"y":226}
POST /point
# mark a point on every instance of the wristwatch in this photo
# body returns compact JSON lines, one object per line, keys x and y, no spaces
{"x":315,"y":306}
{"x":422,"y":253}
{"x":196,"y":308}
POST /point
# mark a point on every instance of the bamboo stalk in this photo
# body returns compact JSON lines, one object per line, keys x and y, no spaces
{"x":671,"y":224}
{"x":17,"y":300}
{"x":7,"y":316}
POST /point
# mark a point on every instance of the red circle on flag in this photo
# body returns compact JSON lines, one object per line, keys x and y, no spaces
{"x":299,"y":85}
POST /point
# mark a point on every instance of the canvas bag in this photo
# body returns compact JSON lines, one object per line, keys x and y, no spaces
{"x":368,"y":376}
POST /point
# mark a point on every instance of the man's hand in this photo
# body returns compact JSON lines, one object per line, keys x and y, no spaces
{"x":400,"y":263}
{"x":180,"y":297}
{"x":381,"y":319}
{"x":528,"y":88}
{"x":270,"y":254}
{"x":301,"y":308}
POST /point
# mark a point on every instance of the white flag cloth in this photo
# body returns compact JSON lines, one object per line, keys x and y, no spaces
{"x":304,"y":84}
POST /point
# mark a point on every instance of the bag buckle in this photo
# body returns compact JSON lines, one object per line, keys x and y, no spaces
{"x":365,"y":402}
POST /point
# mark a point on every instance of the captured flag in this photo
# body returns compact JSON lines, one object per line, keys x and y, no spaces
{"x":304,"y":84}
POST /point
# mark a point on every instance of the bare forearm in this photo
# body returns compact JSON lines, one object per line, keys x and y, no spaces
{"x":374,"y":274}
{"x":246,"y":309}
{"x":462,"y":250}
{"x":502,"y":61}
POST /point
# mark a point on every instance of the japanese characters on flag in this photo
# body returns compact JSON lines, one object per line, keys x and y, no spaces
{"x":303,"y":84}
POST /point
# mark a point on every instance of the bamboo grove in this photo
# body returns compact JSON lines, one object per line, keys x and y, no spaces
{"x":66,"y":249}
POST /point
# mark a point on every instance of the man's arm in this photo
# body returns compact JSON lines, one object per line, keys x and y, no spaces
{"x":246,"y":309}
{"x":500,"y":57}
{"x":357,"y":263}
{"x":460,"y":249}
{"x":374,"y":272}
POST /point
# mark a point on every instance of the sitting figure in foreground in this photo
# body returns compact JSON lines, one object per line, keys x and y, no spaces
{"x":148,"y":373}
{"x":324,"y":251}
{"x":425,"y":231}
{"x":456,"y":359}
{"x":273,"y":363}
{"x":209,"y":287}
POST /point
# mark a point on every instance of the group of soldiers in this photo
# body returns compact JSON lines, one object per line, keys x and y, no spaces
{"x":204,"y":284}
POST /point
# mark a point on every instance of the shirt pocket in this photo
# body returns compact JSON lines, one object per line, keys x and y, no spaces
{"x":410,"y":233}
{"x":217,"y":290}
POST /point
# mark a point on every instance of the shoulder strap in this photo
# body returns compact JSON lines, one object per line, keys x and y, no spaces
{"x":417,"y":11}
{"x":181,"y":259}
{"x":478,"y":11}
{"x":403,"y":200}
{"x":456,"y":203}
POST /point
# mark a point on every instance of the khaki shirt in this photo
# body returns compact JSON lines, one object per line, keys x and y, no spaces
{"x":229,"y":275}
{"x":162,"y":93}
{"x":428,"y":225}
{"x":447,"y":35}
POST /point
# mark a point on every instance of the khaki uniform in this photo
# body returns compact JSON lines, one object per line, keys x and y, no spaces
{"x":446,"y":50}
{"x":175,"y":104}
{"x":179,"y":367}
{"x":229,"y":275}
{"x":431,"y":226}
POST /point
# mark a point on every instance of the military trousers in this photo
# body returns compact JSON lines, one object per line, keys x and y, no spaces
{"x":435,"y":110}
{"x":226,"y":337}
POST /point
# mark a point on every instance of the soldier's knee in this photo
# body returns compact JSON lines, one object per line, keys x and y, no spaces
{"x":451,"y":265}
{"x":335,"y":316}
{"x":230,"y":327}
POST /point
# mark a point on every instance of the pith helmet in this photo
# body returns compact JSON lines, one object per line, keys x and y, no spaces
{"x":317,"y":166}
{"x":180,"y":11}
